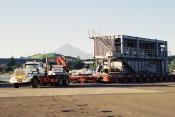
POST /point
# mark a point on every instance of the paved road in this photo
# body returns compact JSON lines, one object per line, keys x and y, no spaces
{"x":86,"y":85}
{"x":28,"y":92}
{"x":93,"y":100}
{"x":7,"y":90}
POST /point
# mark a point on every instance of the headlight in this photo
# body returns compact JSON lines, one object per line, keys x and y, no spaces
{"x":13,"y":75}
{"x":29,"y":75}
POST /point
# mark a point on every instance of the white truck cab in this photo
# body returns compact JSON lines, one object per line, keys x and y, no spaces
{"x":36,"y":73}
{"x":29,"y":71}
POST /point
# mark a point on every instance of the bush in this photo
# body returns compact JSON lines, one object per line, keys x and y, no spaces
{"x":76,"y":64}
{"x":1,"y":69}
{"x":172,"y":66}
{"x":11,"y":65}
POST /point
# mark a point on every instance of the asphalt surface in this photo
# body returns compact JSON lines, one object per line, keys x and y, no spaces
{"x":90,"y":100}
{"x":7,"y":90}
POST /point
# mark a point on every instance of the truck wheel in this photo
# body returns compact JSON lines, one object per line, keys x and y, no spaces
{"x":65,"y":82}
{"x":60,"y":82}
{"x":35,"y":83}
{"x":15,"y":85}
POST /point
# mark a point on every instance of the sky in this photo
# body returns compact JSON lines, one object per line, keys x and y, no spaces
{"x":31,"y":26}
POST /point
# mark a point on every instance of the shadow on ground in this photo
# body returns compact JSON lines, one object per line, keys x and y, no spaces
{"x":100,"y":85}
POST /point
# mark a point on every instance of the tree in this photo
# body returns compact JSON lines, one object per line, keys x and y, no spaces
{"x":172,"y":66}
{"x":1,"y":69}
{"x":11,"y":64}
{"x":78,"y":64}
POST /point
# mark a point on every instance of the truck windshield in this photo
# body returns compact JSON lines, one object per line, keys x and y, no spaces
{"x":31,"y":66}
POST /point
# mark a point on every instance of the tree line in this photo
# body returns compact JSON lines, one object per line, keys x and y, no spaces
{"x":11,"y":65}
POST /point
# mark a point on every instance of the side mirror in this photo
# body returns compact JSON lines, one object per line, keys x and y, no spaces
{"x":37,"y":69}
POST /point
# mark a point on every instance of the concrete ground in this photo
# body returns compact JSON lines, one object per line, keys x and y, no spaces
{"x":92,"y":100}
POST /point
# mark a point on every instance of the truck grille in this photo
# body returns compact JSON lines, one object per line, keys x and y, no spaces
{"x":20,"y":74}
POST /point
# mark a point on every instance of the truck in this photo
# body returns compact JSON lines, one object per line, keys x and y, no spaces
{"x":39,"y":73}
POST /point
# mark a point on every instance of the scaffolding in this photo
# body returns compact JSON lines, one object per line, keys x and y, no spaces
{"x":138,"y":55}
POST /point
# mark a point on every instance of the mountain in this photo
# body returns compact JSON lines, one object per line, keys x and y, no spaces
{"x":69,"y":50}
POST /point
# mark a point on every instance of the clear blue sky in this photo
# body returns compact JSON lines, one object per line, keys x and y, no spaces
{"x":32,"y":26}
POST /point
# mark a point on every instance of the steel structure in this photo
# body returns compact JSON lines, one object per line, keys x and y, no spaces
{"x":138,"y":56}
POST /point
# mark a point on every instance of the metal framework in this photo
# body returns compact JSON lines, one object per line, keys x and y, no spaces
{"x":138,"y":55}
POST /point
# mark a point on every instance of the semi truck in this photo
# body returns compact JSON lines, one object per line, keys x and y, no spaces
{"x":39,"y":73}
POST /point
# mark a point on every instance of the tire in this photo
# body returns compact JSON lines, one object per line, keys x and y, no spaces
{"x":35,"y":83}
{"x":65,"y":82}
{"x":154,"y":79}
{"x":15,"y":85}
{"x":60,"y":82}
{"x":134,"y":80}
{"x":126,"y":80}
{"x":148,"y":79}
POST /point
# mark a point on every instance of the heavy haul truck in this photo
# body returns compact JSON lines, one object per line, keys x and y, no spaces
{"x":39,"y":73}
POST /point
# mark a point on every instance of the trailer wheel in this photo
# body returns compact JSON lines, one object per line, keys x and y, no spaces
{"x":154,"y":79}
{"x":134,"y":80}
{"x":148,"y":79}
{"x":141,"y":79}
{"x":116,"y":80}
{"x":34,"y":83}
{"x":161,"y":79}
{"x":172,"y":78}
{"x":15,"y":85}
{"x":126,"y":80}
{"x":60,"y":82}
{"x":65,"y":82}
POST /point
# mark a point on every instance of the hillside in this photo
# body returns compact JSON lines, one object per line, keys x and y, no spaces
{"x":69,"y":50}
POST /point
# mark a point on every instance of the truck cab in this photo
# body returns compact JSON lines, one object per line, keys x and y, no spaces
{"x":38,"y":73}
{"x":26,"y":74}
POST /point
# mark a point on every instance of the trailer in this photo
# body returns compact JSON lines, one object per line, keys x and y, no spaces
{"x":131,"y":59}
